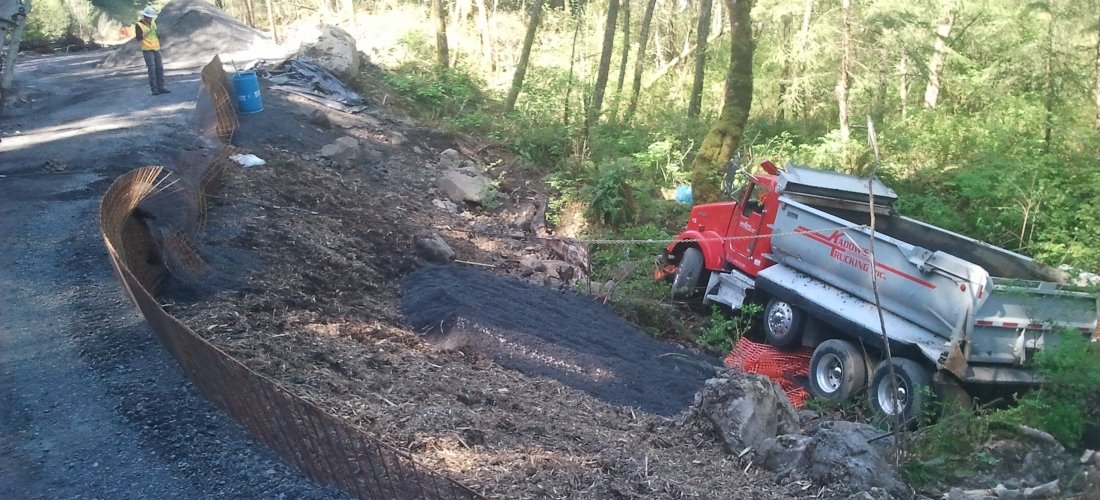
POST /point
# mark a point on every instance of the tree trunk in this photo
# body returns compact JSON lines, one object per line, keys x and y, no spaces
{"x":271,"y":21}
{"x":1048,"y":85}
{"x":249,"y":13}
{"x":459,"y":12}
{"x":785,"y":72}
{"x":572,"y":62}
{"x":8,"y":74}
{"x":443,"y":57}
{"x":486,"y":35}
{"x":879,"y":111}
{"x":1096,"y":83}
{"x":845,"y":64}
{"x":658,"y":47}
{"x":524,"y":56}
{"x":625,"y":8}
{"x":639,"y":65}
{"x":903,"y":85}
{"x":798,"y":82}
{"x":935,"y":64}
{"x":695,"y":100}
{"x":725,"y":135}
{"x":592,"y":114}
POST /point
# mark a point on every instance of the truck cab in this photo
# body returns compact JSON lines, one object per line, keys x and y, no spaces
{"x":728,"y":237}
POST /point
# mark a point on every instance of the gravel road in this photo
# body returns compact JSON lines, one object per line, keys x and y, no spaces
{"x":90,"y":404}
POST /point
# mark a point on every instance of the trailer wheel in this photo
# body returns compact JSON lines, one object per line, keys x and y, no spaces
{"x":688,"y":273}
{"x":783,"y":324}
{"x":914,"y":391}
{"x":837,"y":371}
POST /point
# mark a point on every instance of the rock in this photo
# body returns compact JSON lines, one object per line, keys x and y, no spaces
{"x":837,"y":454}
{"x":342,"y":151}
{"x":398,"y":139}
{"x":418,"y":150}
{"x":880,"y":440}
{"x":784,"y":454}
{"x":531,"y":266}
{"x":370,"y":155}
{"x":450,"y":159}
{"x":320,"y":119}
{"x":746,"y":409}
{"x":334,"y":49}
{"x":1047,"y":461}
{"x":435,"y":249}
{"x":445,"y":205}
{"x":842,"y":457}
{"x":460,"y":187}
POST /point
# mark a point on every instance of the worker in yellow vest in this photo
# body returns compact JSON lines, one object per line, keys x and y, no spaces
{"x":145,"y":32}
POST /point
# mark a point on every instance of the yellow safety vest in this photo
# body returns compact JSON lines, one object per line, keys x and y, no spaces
{"x":149,"y":40}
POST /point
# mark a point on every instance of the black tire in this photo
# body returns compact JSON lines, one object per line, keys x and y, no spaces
{"x":689,"y":274}
{"x":783,"y":324}
{"x":914,"y":391}
{"x":837,"y":371}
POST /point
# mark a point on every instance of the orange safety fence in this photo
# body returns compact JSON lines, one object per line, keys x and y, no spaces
{"x":781,"y":366}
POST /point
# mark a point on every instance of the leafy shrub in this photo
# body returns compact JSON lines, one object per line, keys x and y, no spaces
{"x":726,"y":329}
{"x":48,"y":20}
{"x":611,"y":198}
{"x":1071,"y":370}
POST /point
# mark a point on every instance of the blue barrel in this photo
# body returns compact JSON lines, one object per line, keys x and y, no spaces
{"x":248,"y":92}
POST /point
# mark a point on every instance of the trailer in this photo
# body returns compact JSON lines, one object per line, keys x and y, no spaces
{"x":957,"y":313}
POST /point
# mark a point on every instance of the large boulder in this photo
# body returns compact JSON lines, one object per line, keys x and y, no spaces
{"x":746,"y":409}
{"x":849,"y":457}
{"x":462,"y":187}
{"x":333,"y":49}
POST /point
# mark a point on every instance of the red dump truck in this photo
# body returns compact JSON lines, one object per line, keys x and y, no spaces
{"x":958,"y":313}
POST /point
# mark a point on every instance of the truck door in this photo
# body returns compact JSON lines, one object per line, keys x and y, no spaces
{"x":743,"y":248}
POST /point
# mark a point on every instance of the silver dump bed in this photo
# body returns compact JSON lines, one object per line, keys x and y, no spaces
{"x":939,"y":288}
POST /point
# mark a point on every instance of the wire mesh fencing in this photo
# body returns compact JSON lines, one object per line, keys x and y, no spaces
{"x":143,"y":253}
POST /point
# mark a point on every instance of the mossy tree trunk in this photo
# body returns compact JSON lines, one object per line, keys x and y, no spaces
{"x":725,"y":135}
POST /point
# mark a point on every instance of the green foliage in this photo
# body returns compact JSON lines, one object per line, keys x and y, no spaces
{"x":947,"y":449}
{"x":1071,"y":370}
{"x":48,"y":20}
{"x":611,"y":198}
{"x":726,"y":329}
{"x":439,"y":92}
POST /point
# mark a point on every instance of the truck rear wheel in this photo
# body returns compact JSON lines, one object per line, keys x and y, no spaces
{"x":783,"y":323}
{"x":688,"y":274}
{"x":913,"y":391}
{"x":837,"y":371}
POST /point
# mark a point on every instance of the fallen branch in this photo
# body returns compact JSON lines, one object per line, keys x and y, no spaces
{"x":473,"y":263}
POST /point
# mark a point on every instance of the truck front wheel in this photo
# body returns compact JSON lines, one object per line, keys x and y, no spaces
{"x":783,"y":324}
{"x":837,"y":371}
{"x":912,"y":391}
{"x":688,"y":273}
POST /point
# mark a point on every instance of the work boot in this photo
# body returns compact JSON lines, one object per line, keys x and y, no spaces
{"x":156,"y":92}
{"x":165,"y":91}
